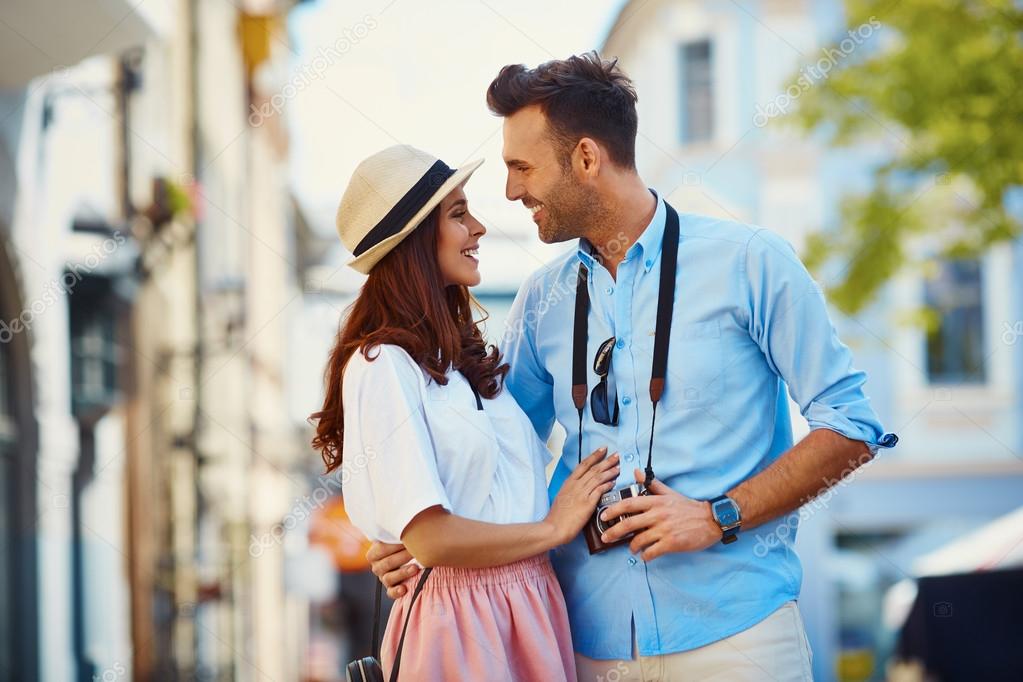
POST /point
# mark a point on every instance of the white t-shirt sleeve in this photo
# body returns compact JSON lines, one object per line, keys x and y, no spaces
{"x":389,"y":470}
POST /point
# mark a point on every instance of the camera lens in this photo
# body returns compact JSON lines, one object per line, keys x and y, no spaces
{"x":602,"y":525}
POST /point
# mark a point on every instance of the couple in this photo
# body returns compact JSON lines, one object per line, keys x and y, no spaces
{"x":441,"y":438}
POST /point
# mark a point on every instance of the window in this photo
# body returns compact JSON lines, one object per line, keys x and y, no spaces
{"x":94,"y":351}
{"x":697,"y":91}
{"x":955,"y":349}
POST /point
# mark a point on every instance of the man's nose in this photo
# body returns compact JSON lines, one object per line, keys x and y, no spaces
{"x":513,"y":190}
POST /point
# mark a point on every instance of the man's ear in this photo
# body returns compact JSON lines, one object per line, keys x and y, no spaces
{"x":587,"y":157}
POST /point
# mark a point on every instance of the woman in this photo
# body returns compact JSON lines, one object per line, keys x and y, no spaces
{"x":434,"y":454}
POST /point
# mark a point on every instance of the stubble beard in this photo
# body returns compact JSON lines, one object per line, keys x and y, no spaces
{"x":573,"y":211}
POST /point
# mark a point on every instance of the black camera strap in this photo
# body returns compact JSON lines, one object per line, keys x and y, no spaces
{"x":376,"y":622}
{"x":415,"y":594}
{"x":662,"y":333}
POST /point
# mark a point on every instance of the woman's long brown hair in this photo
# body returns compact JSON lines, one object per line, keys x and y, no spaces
{"x":404,"y":302}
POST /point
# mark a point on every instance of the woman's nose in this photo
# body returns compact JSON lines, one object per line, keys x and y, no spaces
{"x":478,"y":229}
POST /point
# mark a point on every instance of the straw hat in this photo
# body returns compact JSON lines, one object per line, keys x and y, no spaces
{"x":389,"y":195}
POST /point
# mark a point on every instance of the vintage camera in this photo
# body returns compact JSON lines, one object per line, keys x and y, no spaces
{"x":595,"y":528}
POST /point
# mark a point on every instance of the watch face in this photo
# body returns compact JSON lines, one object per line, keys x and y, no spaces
{"x":726,"y":513}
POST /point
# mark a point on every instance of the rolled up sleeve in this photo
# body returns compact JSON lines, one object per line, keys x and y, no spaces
{"x":789,"y":321}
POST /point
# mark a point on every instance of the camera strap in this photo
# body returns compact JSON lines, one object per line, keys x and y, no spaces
{"x":662,"y":333}
{"x":376,"y":622}
{"x":419,"y":585}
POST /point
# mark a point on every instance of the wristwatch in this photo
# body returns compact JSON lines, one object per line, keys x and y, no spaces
{"x":727,"y":515}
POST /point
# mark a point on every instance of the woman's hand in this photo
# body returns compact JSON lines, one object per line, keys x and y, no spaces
{"x":391,"y":565}
{"x":579,"y":494}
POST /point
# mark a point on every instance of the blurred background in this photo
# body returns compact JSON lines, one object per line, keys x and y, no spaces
{"x":170,"y":283}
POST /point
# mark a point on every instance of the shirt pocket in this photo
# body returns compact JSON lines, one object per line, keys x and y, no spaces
{"x":696,"y":369}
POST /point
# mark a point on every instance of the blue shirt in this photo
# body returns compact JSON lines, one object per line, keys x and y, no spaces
{"x":748,"y":321}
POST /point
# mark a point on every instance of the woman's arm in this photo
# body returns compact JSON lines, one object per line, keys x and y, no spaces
{"x":435,"y":537}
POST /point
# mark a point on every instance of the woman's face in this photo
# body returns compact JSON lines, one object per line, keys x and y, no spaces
{"x":458,"y":236}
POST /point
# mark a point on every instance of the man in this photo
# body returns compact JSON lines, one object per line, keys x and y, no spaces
{"x":685,"y":597}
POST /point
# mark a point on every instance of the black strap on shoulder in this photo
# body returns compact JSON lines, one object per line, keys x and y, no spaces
{"x":662,"y":333}
{"x":475,"y":393}
{"x":579,"y":334}
{"x":665,"y":304}
{"x":401,"y":641}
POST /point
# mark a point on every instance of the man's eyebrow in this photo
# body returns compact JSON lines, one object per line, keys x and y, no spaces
{"x":515,"y":162}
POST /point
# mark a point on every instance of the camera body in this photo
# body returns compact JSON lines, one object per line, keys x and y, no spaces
{"x":595,"y":528}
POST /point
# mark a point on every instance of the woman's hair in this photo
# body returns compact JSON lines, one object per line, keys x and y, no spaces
{"x":404,"y":302}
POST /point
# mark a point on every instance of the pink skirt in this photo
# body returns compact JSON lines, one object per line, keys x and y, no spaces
{"x":503,"y":623}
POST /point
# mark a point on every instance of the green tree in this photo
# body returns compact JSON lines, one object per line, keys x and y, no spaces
{"x":944,"y":77}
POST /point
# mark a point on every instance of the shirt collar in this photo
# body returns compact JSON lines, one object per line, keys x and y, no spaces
{"x":647,"y":247}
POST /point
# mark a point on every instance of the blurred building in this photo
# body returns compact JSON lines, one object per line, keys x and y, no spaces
{"x":711,"y":77}
{"x":146,"y":270}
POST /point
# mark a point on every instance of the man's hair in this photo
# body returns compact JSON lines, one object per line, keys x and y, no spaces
{"x":582,"y":96}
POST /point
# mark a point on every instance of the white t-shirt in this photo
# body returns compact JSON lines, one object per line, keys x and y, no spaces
{"x":410,"y":444}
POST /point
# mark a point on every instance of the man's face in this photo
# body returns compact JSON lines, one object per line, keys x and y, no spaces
{"x":542,"y":180}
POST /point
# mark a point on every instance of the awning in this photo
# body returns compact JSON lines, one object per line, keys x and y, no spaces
{"x":998,"y":544}
{"x":41,"y":36}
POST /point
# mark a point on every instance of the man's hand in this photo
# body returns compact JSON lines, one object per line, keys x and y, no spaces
{"x":388,"y":562}
{"x":664,"y":521}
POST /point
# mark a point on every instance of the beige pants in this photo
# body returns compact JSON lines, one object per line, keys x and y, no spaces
{"x":773,"y":649}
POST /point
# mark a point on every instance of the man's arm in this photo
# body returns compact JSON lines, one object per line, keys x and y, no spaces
{"x":668,"y":521}
{"x":527,"y":379}
{"x":813,"y":465}
{"x":788,"y":319}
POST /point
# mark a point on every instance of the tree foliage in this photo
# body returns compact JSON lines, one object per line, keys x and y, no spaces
{"x":940,"y":84}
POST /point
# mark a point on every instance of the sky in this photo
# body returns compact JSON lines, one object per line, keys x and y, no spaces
{"x":372,"y":74}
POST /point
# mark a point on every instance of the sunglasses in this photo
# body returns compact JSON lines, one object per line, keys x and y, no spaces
{"x":599,"y":404}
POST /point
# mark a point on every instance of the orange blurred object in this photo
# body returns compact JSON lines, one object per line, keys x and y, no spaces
{"x":331,"y":528}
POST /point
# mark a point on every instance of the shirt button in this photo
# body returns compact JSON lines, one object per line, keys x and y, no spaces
{"x":632,"y":561}
{"x":650,"y":264}
{"x":628,"y":456}
{"x":626,"y":400}
{"x":620,"y":344}
{"x":610,"y":290}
